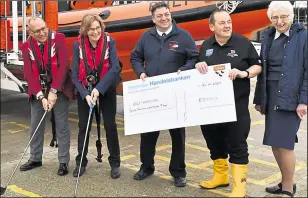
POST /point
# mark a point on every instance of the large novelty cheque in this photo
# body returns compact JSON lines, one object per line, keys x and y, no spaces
{"x":179,"y":100}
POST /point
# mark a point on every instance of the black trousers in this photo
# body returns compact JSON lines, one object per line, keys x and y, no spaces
{"x":230,"y":138}
{"x":108,"y":105}
{"x":147,"y":152}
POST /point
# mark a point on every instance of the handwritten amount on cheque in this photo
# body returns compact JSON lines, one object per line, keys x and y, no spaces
{"x":154,"y":104}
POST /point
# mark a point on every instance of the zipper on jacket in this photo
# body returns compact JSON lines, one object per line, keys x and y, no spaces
{"x":161,"y":45}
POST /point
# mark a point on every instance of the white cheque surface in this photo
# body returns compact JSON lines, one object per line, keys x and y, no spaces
{"x":179,"y":100}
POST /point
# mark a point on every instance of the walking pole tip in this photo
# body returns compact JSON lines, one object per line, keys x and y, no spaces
{"x":3,"y":190}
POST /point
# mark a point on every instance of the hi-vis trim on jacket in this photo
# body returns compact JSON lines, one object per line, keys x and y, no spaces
{"x":99,"y":65}
{"x":42,"y":59}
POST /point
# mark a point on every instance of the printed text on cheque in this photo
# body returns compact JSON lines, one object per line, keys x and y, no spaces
{"x":179,"y":100}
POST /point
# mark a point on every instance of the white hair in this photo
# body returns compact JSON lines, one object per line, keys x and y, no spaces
{"x":34,"y":18}
{"x":280,"y":5}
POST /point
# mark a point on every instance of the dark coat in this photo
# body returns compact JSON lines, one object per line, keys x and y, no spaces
{"x":292,"y":87}
{"x":155,"y":56}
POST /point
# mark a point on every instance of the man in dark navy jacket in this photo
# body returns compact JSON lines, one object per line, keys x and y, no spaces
{"x":165,"y":48}
{"x":49,"y":87}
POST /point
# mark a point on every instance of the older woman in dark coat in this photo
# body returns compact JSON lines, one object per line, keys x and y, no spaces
{"x":281,"y":92}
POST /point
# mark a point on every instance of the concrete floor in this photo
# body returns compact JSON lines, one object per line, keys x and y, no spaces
{"x":44,"y":181}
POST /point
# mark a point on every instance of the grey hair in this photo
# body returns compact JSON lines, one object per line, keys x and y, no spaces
{"x":280,"y":5}
{"x":34,"y":19}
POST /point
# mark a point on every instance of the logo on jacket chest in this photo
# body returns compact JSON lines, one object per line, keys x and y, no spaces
{"x":232,"y":53}
{"x":209,"y":52}
{"x":173,"y":45}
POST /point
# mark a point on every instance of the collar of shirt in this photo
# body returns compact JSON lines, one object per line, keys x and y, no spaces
{"x":39,"y":44}
{"x":277,"y":34}
{"x":167,"y":32}
{"x":227,"y":44}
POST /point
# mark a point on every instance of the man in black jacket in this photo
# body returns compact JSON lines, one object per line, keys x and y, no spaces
{"x":164,"y":49}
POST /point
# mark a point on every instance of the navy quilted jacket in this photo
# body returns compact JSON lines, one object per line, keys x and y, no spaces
{"x":292,"y":87}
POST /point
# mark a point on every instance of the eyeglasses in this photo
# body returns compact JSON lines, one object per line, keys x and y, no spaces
{"x":282,"y":17}
{"x":43,"y":29}
{"x":98,"y":29}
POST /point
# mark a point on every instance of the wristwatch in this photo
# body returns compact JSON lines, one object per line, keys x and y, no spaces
{"x":41,"y":97}
{"x":53,"y":90}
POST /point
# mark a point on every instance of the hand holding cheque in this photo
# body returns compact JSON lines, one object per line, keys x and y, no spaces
{"x":175,"y":100}
{"x":234,"y":73}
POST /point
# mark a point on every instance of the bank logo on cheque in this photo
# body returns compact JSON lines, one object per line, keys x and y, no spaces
{"x":219,"y":70}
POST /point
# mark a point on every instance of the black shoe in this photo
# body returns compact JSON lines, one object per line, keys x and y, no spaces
{"x":141,"y":175}
{"x":30,"y":165}
{"x":278,"y":189}
{"x":115,"y":173}
{"x":284,"y":192}
{"x":63,"y":169}
{"x":82,"y":170}
{"x":179,"y":181}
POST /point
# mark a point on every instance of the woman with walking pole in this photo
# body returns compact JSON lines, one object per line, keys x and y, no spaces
{"x":96,"y":74}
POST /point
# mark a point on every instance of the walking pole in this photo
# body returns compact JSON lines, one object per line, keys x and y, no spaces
{"x":3,"y":189}
{"x":84,"y":144}
{"x":54,"y":141}
{"x":98,"y":144}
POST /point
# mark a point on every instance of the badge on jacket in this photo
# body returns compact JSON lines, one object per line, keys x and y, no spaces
{"x":209,"y":52}
{"x":173,"y":45}
{"x":232,"y":54}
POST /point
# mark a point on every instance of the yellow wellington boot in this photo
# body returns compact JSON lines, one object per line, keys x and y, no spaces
{"x":239,"y":173}
{"x":221,"y":175}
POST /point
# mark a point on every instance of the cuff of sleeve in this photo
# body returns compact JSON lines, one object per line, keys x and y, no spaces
{"x":39,"y":94}
{"x":58,"y":88}
{"x":256,"y":101}
{"x":303,"y":101}
{"x":84,"y":94}
{"x":140,"y":72}
{"x":182,"y":68}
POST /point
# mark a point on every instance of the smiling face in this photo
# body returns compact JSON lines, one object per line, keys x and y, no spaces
{"x":281,"y":20}
{"x":162,"y":19}
{"x":38,"y":30}
{"x":222,"y":26}
{"x":95,"y":31}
